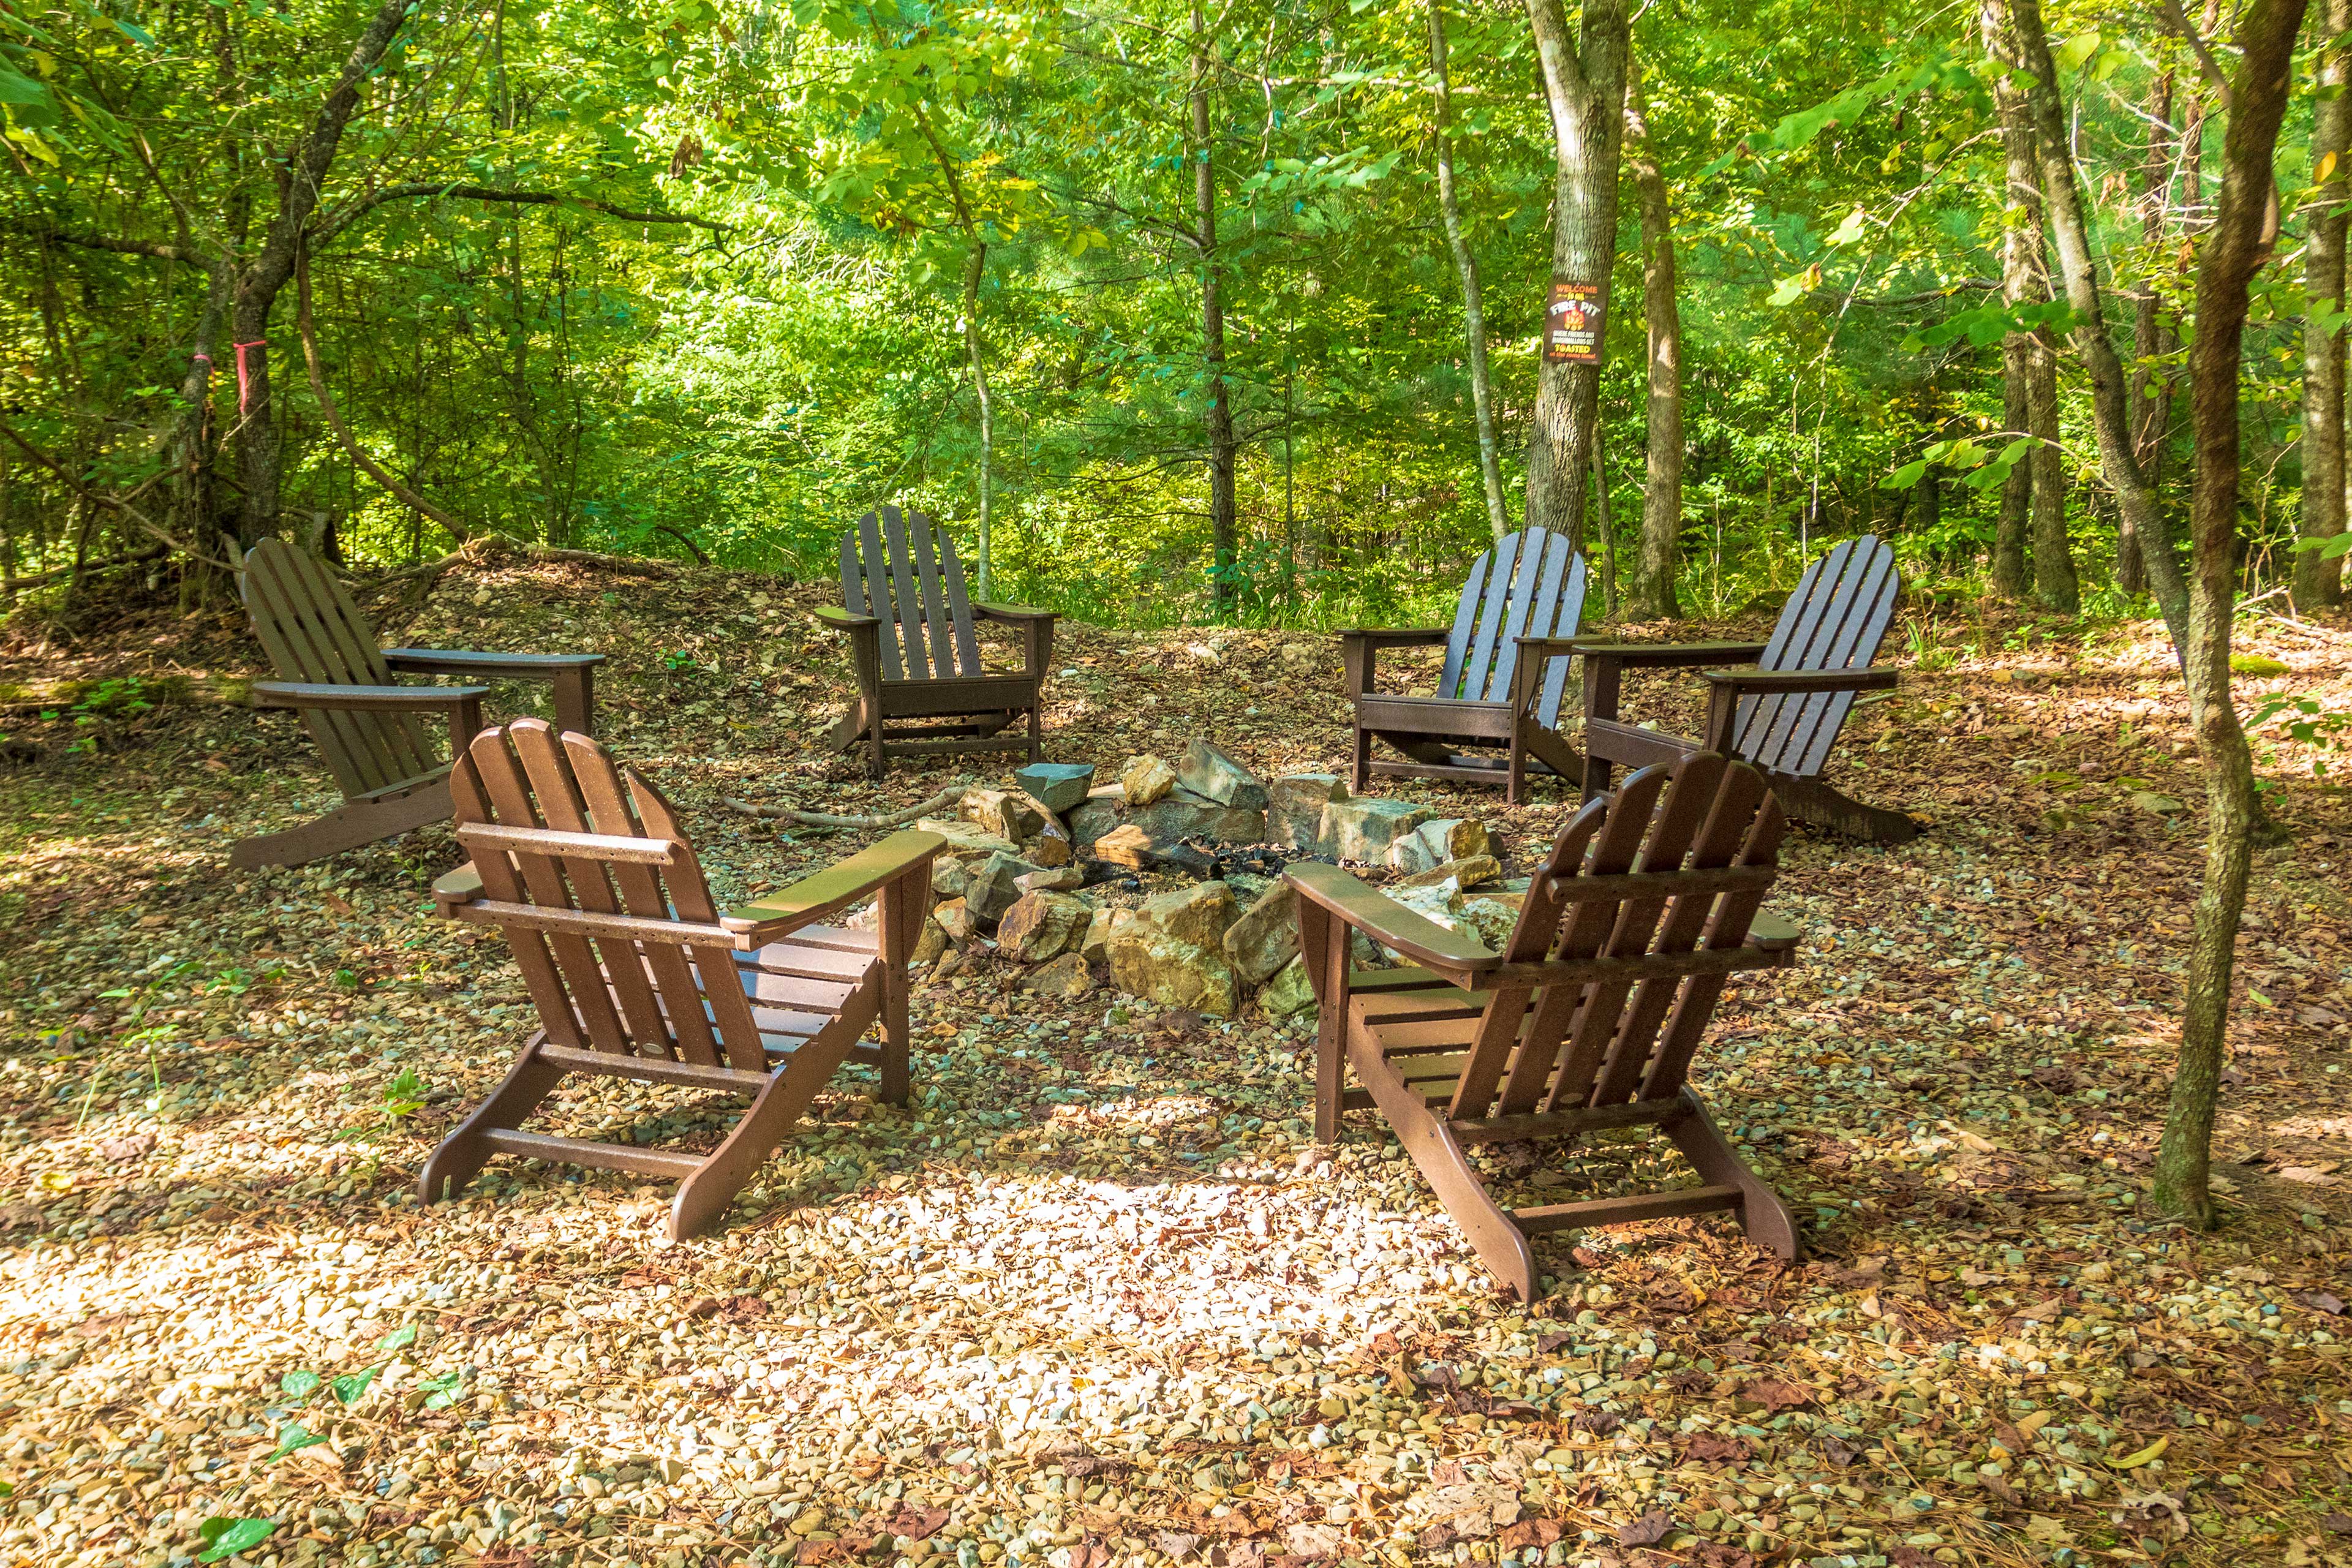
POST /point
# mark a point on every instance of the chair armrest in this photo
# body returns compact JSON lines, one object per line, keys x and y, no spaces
{"x":1668,"y":656}
{"x":1548,"y":648}
{"x":1420,"y":636}
{"x":452,"y":889}
{"x":1771,"y":933}
{"x":993,"y":612}
{"x":835,"y":888}
{"x":512,"y":666}
{"x":841,"y":620}
{"x":1389,"y":923}
{"x":1748,"y":679}
{"x":377,"y":699}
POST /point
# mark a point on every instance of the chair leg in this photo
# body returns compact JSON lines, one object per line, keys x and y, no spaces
{"x":1811,"y":800}
{"x":1363,"y":760}
{"x":465,"y":1150}
{"x":1501,"y":1245}
{"x":703,"y":1196}
{"x":1766,"y":1220}
{"x":1515,"y":775}
{"x":1036,"y":734}
{"x":873,"y":758}
{"x":347,"y":827}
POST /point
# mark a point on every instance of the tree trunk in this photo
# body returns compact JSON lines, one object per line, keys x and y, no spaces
{"x":2244,"y":229}
{"x":2110,"y":419}
{"x":2021,"y":283}
{"x":2054,"y":585}
{"x":975,"y":267}
{"x":1223,"y":532}
{"x":2149,"y":341}
{"x":1473,"y":310}
{"x":1662,"y":496}
{"x":258,"y":286}
{"x":2320,"y":580}
{"x":1584,"y":91}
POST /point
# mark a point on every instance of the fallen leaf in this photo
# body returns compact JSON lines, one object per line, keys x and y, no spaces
{"x":1646,"y":1530}
{"x":2134,"y":1461}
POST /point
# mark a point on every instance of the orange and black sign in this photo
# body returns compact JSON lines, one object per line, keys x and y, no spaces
{"x":1572,"y":325}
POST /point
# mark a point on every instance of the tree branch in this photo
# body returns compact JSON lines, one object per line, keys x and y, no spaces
{"x":327,"y":231}
{"x":184,"y":255}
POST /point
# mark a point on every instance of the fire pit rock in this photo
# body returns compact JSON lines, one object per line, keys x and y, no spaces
{"x":1295,"y":803}
{"x":1060,"y":787}
{"x":1041,"y":926}
{"x":1209,"y":774}
{"x":1145,"y":779}
{"x":1361,"y":827}
{"x":1266,"y":937}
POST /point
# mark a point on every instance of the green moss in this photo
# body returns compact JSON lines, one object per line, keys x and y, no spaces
{"x":2256,"y":664}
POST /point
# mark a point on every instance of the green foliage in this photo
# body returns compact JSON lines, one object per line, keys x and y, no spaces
{"x":227,"y":1537}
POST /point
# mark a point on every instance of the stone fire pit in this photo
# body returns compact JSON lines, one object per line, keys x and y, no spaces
{"x":1165,"y":884}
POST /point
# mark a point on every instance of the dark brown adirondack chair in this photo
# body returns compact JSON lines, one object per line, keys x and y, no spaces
{"x":637,"y":974}
{"x":393,"y":776}
{"x":1781,"y":712}
{"x":1531,"y":584}
{"x":918,"y":657}
{"x":1586,"y":1019}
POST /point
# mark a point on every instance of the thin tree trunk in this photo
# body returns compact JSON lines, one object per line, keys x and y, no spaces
{"x":2019,"y":286}
{"x":2110,"y":418}
{"x":304,"y":175}
{"x":1223,"y":533}
{"x":2244,"y":229}
{"x":2320,"y":580}
{"x":2148,"y":408}
{"x":1473,"y":310}
{"x":2054,"y":585}
{"x":1662,"y":496}
{"x":975,"y":267}
{"x":1584,"y":92}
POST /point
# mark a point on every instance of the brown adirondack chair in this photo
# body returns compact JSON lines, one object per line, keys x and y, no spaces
{"x":366,"y":726}
{"x":1781,"y":712}
{"x":1586,"y":1019}
{"x":637,"y":974}
{"x":916,"y":655}
{"x":1529,"y":586}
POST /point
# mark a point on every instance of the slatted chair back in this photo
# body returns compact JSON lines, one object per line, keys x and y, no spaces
{"x":1835,"y":620}
{"x":1531,"y":584}
{"x":901,"y":569}
{"x":1666,"y":887}
{"x":314,"y":633}
{"x":585,"y":867}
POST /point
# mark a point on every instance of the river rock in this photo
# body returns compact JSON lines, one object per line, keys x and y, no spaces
{"x":954,"y":919}
{"x":1059,"y":787}
{"x":1454,"y":839}
{"x":1064,"y":979}
{"x":1040,"y":926}
{"x":1183,"y":813}
{"x":950,"y":877}
{"x":1266,"y":937}
{"x":1412,"y":855}
{"x":1200,"y":914}
{"x":1006,"y":813}
{"x":1149,"y":963}
{"x":995,"y":887}
{"x":1207,"y":772}
{"x":1288,"y":994}
{"x":968,"y":837}
{"x":1051,"y":845}
{"x":1095,"y":946}
{"x":1126,"y":844}
{"x":1294,"y":803}
{"x":1145,"y":779}
{"x":1054,"y":880}
{"x":1361,"y":827}
{"x":1096,"y":816}
{"x":1456,"y":876}
{"x":930,"y":942}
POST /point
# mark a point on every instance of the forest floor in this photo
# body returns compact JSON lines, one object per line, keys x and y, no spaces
{"x":1095,"y":1298}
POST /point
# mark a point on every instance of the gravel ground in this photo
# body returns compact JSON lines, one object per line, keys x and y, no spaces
{"x":1095,"y":1298}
